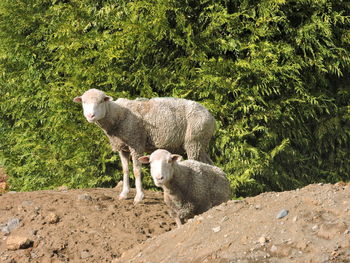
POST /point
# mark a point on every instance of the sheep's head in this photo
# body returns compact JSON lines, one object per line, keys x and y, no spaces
{"x":94,"y":104}
{"x":161,"y":162}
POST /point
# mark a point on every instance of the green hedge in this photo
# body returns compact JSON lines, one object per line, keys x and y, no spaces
{"x":274,"y":73}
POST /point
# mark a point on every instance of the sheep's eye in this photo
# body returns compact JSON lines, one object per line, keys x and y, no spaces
{"x":169,"y":161}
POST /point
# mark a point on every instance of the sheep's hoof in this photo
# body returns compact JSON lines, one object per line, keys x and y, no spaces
{"x":123,"y":196}
{"x":138,"y":198}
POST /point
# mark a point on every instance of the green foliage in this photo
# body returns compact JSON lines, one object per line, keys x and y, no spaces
{"x":274,"y":73}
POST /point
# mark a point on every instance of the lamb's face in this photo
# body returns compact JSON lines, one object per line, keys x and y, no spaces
{"x":162,"y":162}
{"x":94,"y":104}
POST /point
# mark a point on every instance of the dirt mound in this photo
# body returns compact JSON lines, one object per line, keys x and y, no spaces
{"x":92,"y":225}
{"x":307,"y":225}
{"x":89,"y":225}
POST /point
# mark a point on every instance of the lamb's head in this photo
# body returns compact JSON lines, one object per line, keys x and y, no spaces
{"x":162,"y":165}
{"x":94,"y":104}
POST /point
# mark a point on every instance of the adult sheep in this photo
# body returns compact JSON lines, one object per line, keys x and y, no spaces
{"x":138,"y":126}
{"x":190,"y":187}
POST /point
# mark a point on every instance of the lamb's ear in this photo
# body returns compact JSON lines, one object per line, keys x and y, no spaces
{"x":176,"y":158}
{"x":108,"y":98}
{"x":144,"y":159}
{"x":77,"y":99}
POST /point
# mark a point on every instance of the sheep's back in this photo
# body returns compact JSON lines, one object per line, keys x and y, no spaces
{"x":166,"y":120}
{"x":204,"y":183}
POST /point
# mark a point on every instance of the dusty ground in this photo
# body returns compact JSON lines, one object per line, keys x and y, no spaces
{"x":92,"y":225}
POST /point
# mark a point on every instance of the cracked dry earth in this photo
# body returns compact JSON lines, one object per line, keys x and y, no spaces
{"x":311,"y":224}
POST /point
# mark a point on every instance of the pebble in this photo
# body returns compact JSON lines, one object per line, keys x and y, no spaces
{"x":10,"y":225}
{"x":84,"y":197}
{"x":273,"y":248}
{"x":85,"y":254}
{"x":314,"y":228}
{"x":216,"y":229}
{"x":37,"y":210}
{"x":282,"y":213}
{"x":27,"y":203}
{"x":262,"y":240}
{"x":18,"y":242}
{"x":225,"y":218}
{"x":5,"y":230}
{"x":52,"y":218}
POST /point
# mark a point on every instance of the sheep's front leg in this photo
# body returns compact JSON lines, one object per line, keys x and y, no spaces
{"x":124,"y":157}
{"x":138,"y":178}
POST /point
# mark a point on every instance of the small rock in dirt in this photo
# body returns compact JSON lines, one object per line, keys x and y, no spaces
{"x":18,"y":242}
{"x":52,"y":218}
{"x":273,"y":248}
{"x":225,"y":218}
{"x":314,"y":228}
{"x":262,"y":240}
{"x":10,"y":225}
{"x":282,"y":213}
{"x":33,"y":255}
{"x":37,"y":210}
{"x":5,"y":230}
{"x":85,"y":254}
{"x":27,"y":203}
{"x":84,"y":197}
{"x":200,"y":218}
{"x":216,"y":229}
{"x":33,"y":232}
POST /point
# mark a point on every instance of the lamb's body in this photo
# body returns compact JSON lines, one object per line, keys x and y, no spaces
{"x":190,"y":187}
{"x":195,"y":188}
{"x":138,"y":126}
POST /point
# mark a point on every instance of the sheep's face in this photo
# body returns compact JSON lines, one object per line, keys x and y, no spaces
{"x":94,"y":104}
{"x":161,"y":162}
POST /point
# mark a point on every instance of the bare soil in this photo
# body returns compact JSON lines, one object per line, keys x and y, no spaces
{"x":92,"y":225}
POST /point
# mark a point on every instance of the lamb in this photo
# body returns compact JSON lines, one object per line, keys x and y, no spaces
{"x":190,"y":187}
{"x":136,"y":127}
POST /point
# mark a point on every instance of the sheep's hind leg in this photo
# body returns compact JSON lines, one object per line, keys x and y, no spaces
{"x":124,"y":157}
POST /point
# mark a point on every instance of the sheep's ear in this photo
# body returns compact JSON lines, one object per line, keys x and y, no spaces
{"x":108,"y":98}
{"x":77,"y":99}
{"x":144,"y":159}
{"x":176,"y":158}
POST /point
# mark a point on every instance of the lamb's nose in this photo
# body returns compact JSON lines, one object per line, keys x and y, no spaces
{"x":90,"y":116}
{"x":160,"y":177}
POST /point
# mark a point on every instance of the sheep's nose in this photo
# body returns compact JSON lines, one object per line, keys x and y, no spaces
{"x":90,"y":116}
{"x":160,"y":177}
